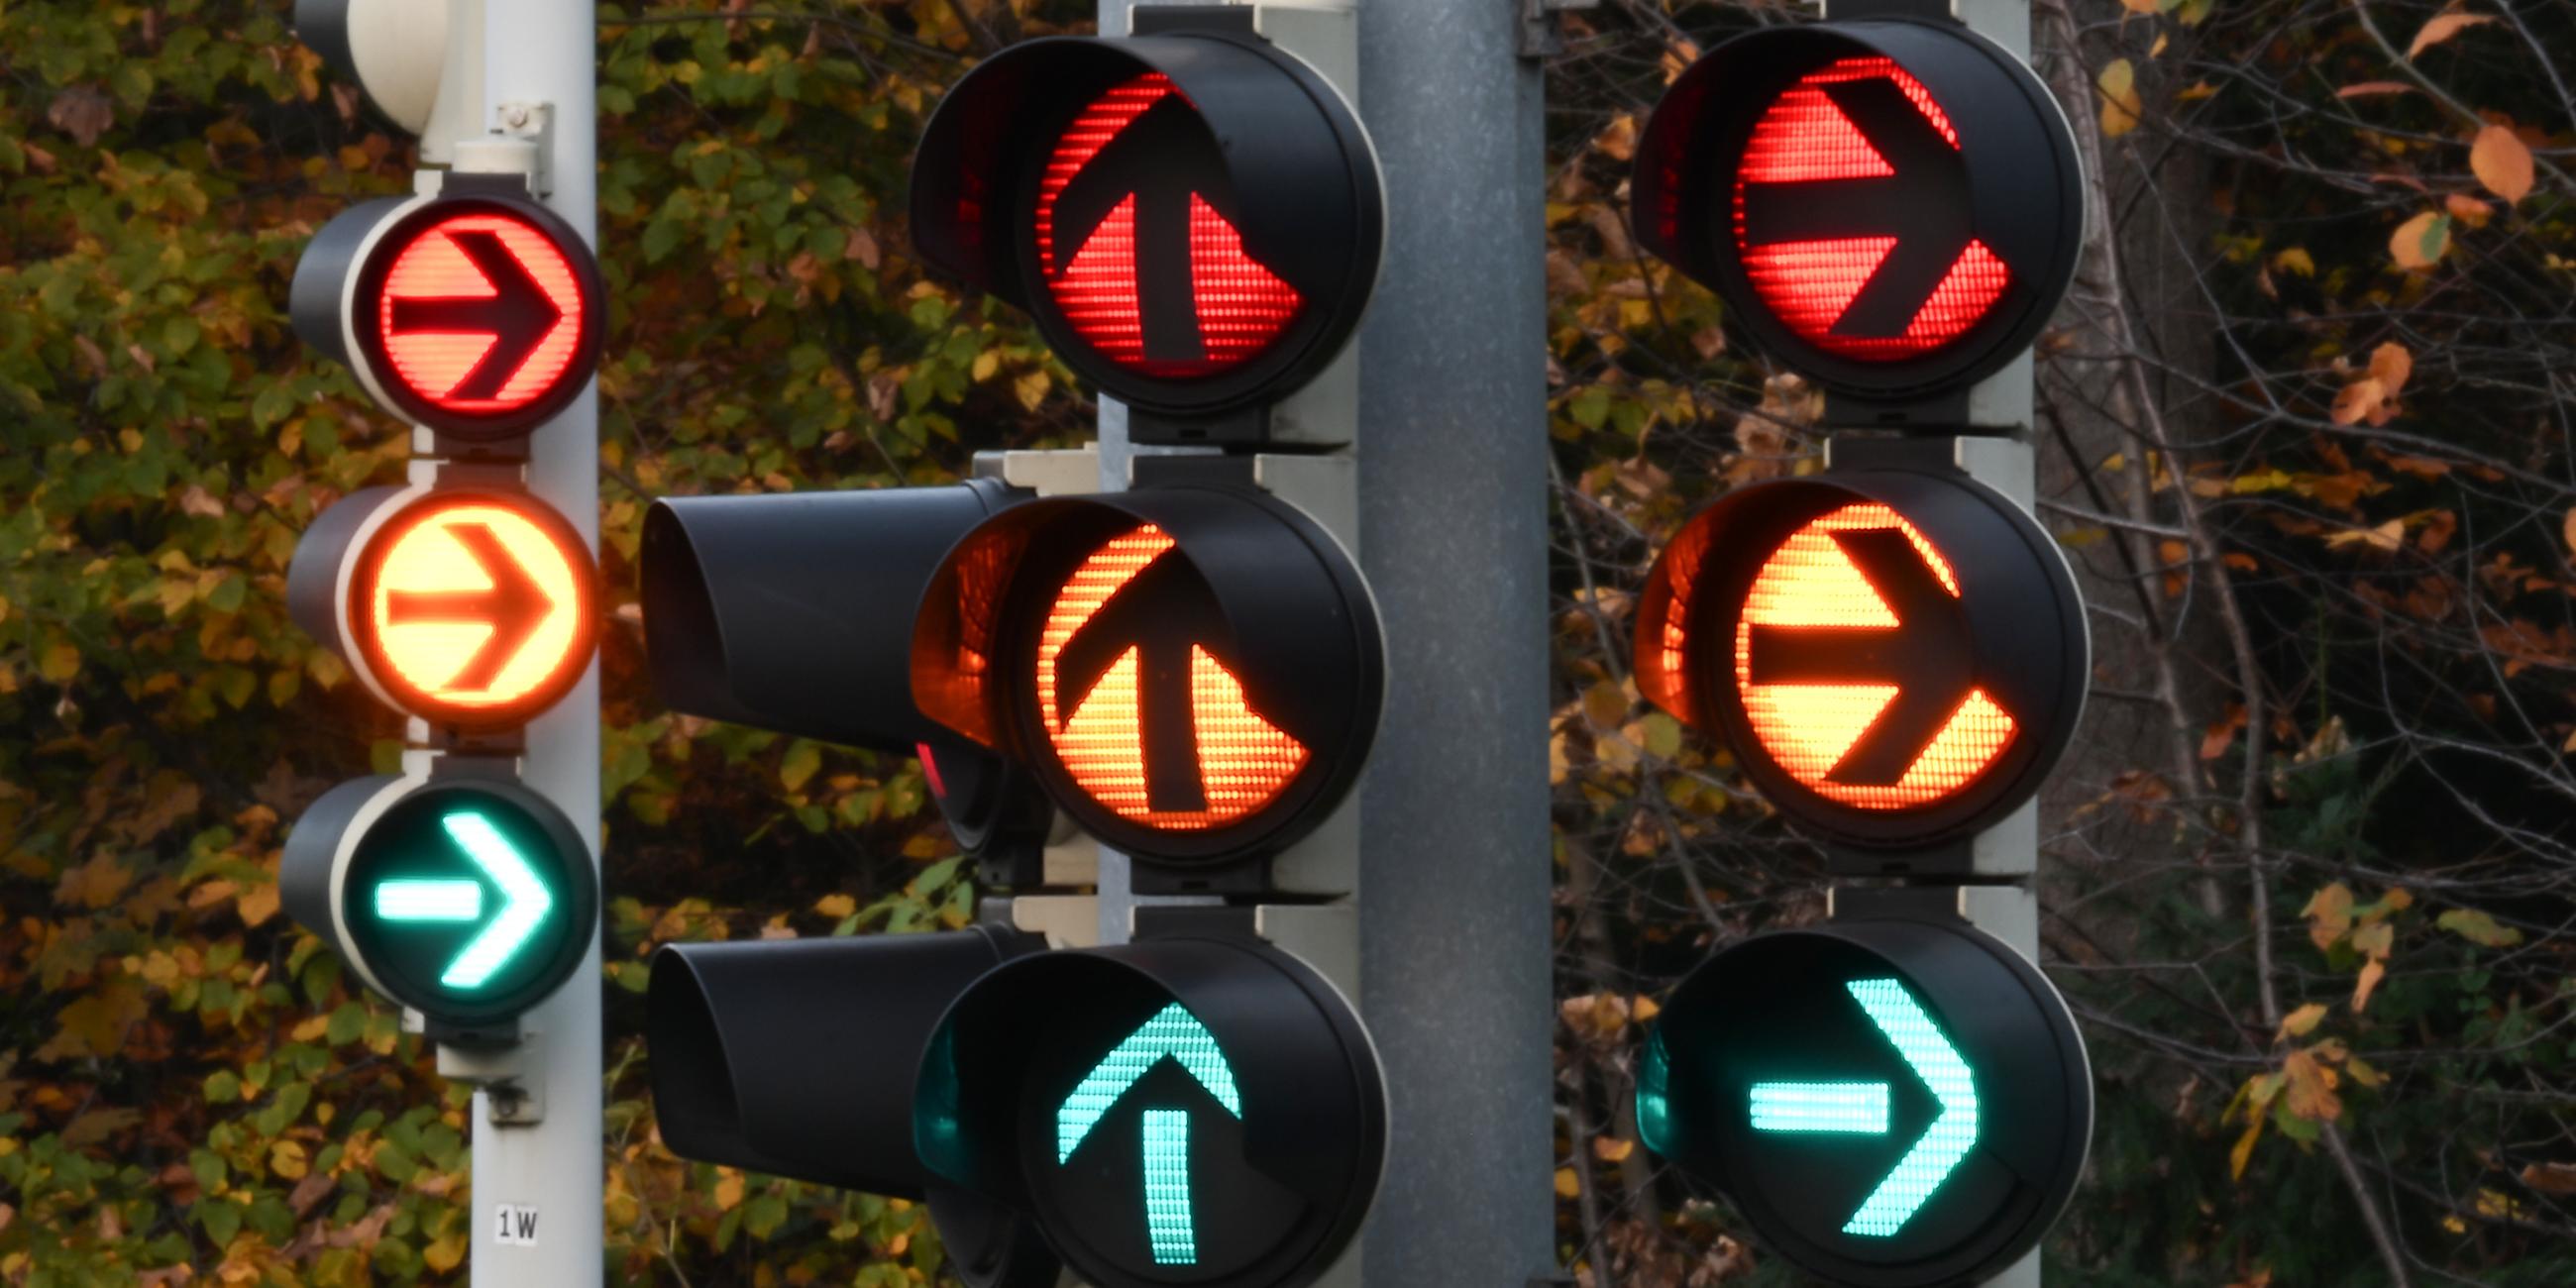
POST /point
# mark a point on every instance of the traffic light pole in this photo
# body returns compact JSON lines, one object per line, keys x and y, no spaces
{"x":539,"y":1191}
{"x":2003,"y":900}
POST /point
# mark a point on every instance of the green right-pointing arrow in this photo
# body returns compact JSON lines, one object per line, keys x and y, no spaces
{"x":525,"y":900}
{"x":1937,"y":1153}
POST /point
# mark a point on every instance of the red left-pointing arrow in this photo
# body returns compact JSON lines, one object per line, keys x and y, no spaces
{"x":518,"y":314}
{"x":514,"y":605}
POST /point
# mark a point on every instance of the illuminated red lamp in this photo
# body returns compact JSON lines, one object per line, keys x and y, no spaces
{"x":478,"y":316}
{"x":1891,"y":206}
{"x":1193,"y":218}
{"x":1192,"y":673}
{"x":1896,"y":657}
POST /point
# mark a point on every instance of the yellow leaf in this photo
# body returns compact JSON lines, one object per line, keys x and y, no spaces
{"x":2298,"y":1023}
{"x":60,"y":663}
{"x":2443,"y":27}
{"x":2244,"y":1150}
{"x":2419,"y":242}
{"x":728,"y":1190}
{"x":2385,"y":538}
{"x":2120,"y":107}
{"x":1611,"y":1149}
{"x":2502,"y":161}
{"x":836,"y":906}
{"x":1566,"y":1186}
{"x":257,"y":904}
{"x":2296,"y":260}
{"x":286,"y":1159}
{"x":986,"y":363}
{"x":445,"y":1253}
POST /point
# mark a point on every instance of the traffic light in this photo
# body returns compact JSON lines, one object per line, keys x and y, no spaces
{"x":1893,"y":649}
{"x":1193,"y":1107}
{"x":468,"y":309}
{"x":1891,"y":206}
{"x":1893,"y":1098}
{"x":457,"y":893}
{"x":460,"y":599}
{"x":1192,"y":671}
{"x":1192,"y":217}
{"x":1897,"y":656}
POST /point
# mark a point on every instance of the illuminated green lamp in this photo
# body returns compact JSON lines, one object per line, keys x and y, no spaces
{"x":1819,"y":1079}
{"x":466,"y":899}
{"x":1174,"y":1034}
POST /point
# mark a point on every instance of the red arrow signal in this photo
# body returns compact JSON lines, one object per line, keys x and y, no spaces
{"x":1853,"y":216}
{"x":480,"y":314}
{"x":1135,"y":245}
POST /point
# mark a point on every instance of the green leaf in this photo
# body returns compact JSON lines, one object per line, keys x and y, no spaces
{"x":2478,"y":928}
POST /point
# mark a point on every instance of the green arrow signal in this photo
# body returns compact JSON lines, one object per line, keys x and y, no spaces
{"x":1943,"y":1145}
{"x":1173,"y":1034}
{"x":525,"y":901}
{"x":1860,"y":1108}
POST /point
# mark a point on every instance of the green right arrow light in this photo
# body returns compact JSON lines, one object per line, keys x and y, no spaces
{"x":1861,"y":1108}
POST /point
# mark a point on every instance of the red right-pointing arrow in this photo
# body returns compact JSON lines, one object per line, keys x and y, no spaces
{"x":515,"y":606}
{"x":518,"y":314}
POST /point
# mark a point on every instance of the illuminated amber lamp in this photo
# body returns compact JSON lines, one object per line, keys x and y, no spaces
{"x":1893,"y":207}
{"x":1896,"y":657}
{"x":470,"y":609}
{"x":1194,"y":673}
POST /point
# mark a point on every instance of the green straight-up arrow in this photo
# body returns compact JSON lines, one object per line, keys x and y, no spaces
{"x":1173,"y":1034}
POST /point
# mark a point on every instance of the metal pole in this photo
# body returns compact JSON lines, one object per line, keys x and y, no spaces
{"x":1455,"y":863}
{"x":545,"y":52}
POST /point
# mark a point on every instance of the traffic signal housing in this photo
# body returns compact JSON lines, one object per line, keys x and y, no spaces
{"x":1193,"y":218}
{"x":458,"y":894}
{"x":469,"y":308}
{"x":1897,"y":656}
{"x":1892,"y":1099}
{"x":793,"y":612}
{"x":1195,"y":1107}
{"x":1193,"y":672}
{"x":1892,"y":206}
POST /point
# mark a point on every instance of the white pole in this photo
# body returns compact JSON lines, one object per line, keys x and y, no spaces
{"x":548,"y":1178}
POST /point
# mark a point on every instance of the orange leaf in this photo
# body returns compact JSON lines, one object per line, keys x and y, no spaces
{"x":2364,"y":89}
{"x":2419,"y":242}
{"x":2468,"y":210}
{"x":2372,"y":972}
{"x":2390,"y":365}
{"x":2443,"y":27}
{"x":2357,"y":401}
{"x":2299,"y":1023}
{"x":2502,"y":161}
{"x":2567,"y":529}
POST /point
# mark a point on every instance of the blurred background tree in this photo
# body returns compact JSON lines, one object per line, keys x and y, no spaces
{"x":2304,"y":430}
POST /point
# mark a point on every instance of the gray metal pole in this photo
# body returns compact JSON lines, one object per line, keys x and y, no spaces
{"x":1455,"y":867}
{"x":544,"y":53}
